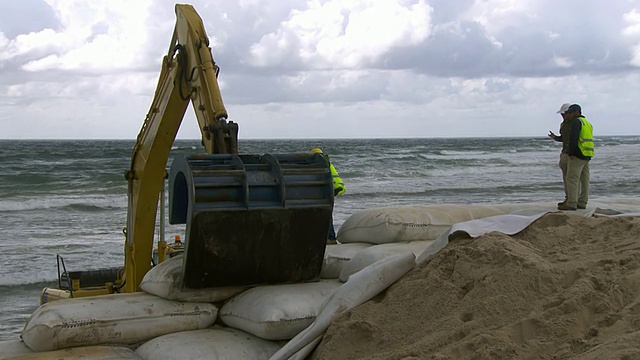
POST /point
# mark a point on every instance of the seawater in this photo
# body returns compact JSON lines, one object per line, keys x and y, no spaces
{"x":69,"y":197}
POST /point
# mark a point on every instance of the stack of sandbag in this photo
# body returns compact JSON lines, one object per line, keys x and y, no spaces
{"x":377,"y":247}
{"x":253,"y":323}
{"x":256,"y":319}
{"x":253,"y":318}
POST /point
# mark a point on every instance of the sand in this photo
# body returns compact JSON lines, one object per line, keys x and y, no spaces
{"x":566,"y":287}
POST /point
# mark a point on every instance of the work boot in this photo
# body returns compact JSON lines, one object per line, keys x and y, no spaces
{"x":562,"y":203}
{"x":567,"y":207}
{"x":582,"y":206}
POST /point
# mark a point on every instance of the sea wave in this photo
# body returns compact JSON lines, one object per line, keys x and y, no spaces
{"x":16,"y":284}
{"x":85,"y":204}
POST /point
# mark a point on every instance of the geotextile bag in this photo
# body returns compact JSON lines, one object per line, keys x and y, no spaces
{"x":165,"y":281}
{"x":277,"y":312}
{"x":336,"y":256}
{"x":408,"y":223}
{"x":378,"y":252}
{"x":112,"y":319}
{"x":215,"y":343}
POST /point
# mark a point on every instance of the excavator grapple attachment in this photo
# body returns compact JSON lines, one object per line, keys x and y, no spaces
{"x":251,"y":219}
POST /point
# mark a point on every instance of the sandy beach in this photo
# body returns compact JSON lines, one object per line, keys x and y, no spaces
{"x":568,"y":286}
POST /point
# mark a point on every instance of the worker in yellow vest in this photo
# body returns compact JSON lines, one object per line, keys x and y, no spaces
{"x":581,"y":150}
{"x":338,"y":188}
{"x":565,"y":129}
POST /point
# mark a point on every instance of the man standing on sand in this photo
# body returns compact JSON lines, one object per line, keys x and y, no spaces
{"x":564,"y":138}
{"x":580,"y":153}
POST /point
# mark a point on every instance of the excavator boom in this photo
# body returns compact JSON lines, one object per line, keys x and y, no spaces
{"x":250,"y":219}
{"x":188,"y":74}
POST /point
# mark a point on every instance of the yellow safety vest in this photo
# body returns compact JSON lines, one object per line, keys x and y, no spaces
{"x":337,"y":181}
{"x":585,"y":140}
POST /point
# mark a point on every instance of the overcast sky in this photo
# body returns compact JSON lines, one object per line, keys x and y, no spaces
{"x":87,"y":69}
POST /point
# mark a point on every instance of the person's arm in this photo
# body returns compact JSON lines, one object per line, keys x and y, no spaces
{"x":554,"y":136}
{"x":576,"y":127}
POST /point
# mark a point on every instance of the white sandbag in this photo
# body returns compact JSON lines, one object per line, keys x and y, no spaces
{"x":112,"y":319}
{"x":11,"y":348}
{"x":408,"y":223}
{"x":165,"y":281}
{"x":277,"y":312}
{"x":361,"y":287}
{"x":215,"y":343}
{"x":336,"y":256}
{"x":83,"y":353}
{"x":378,"y":252}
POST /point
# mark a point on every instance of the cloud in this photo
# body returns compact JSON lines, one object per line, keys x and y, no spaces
{"x":343,"y":34}
{"x":632,"y":32}
{"x":92,"y":37}
{"x":326,"y":68}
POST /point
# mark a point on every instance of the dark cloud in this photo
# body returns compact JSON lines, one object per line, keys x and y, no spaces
{"x":543,"y":44}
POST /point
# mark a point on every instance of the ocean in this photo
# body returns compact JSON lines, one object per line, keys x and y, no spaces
{"x":68,"y":197}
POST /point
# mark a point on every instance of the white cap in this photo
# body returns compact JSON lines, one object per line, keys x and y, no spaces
{"x":563,"y":108}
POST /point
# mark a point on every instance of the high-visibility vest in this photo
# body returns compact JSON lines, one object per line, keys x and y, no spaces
{"x":337,"y":181}
{"x":585,"y":140}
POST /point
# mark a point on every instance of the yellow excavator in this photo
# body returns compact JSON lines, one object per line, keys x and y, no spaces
{"x":250,"y":219}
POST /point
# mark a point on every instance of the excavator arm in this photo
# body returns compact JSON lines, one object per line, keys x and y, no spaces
{"x":188,"y":74}
{"x":250,"y":219}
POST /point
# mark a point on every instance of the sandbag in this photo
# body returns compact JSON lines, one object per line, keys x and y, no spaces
{"x":408,"y":223}
{"x":12,"y":348}
{"x":277,"y":312}
{"x":83,"y":353}
{"x":361,"y":287}
{"x":112,"y":319}
{"x":378,"y":252}
{"x":165,"y":281}
{"x":215,"y":343}
{"x":336,"y":256}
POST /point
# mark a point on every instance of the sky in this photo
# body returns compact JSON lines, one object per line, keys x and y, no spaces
{"x":293,"y":69}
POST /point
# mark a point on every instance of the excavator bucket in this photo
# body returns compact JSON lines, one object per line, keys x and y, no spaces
{"x":250,"y":219}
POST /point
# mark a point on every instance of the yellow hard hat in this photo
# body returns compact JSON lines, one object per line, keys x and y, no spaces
{"x":316,"y":151}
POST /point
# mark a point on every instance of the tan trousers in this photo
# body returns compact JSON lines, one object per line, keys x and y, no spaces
{"x":577,"y":181}
{"x":564,"y":158}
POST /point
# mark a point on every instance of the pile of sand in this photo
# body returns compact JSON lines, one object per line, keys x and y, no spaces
{"x":567,"y":286}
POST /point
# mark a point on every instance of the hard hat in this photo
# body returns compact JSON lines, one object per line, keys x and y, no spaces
{"x":563,"y":108}
{"x":316,"y":151}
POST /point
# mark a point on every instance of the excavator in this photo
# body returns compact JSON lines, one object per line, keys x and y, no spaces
{"x":249,"y":219}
